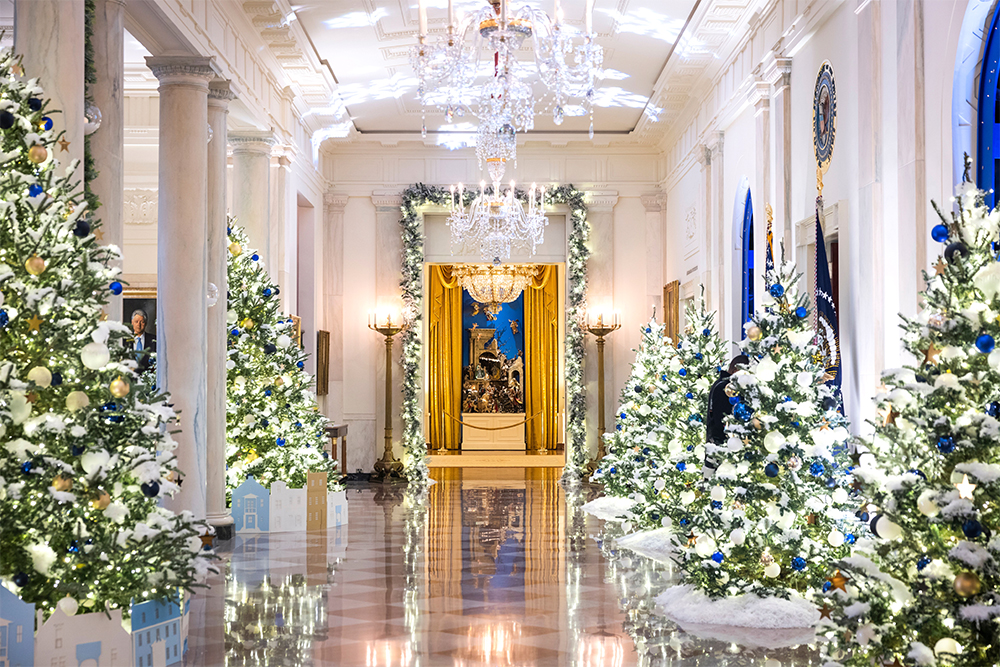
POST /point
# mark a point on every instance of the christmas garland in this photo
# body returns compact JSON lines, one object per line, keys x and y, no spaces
{"x":414,"y":445}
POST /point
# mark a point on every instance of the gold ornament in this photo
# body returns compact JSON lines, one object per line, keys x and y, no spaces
{"x":754,"y":333}
{"x":664,"y":494}
{"x":968,"y":584}
{"x":247,"y":323}
{"x":811,"y":519}
{"x":278,"y":382}
{"x":252,"y":456}
{"x":756,"y":423}
{"x":62,"y":483}
{"x":824,"y":612}
{"x":17,"y":69}
{"x":63,"y":145}
{"x":37,"y":154}
{"x":731,"y":390}
{"x":766,"y":558}
{"x":102,"y":500}
{"x":207,"y":540}
{"x":35,"y":323}
{"x":34,"y":265}
{"x":838,"y":580}
{"x":235,"y":249}
{"x":119,"y":387}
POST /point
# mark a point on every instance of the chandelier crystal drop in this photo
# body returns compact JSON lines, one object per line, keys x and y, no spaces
{"x":494,"y":285}
{"x":474,"y":68}
{"x":496,"y":221}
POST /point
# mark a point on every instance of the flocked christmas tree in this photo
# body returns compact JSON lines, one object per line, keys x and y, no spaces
{"x":924,"y":590}
{"x":773,"y":518}
{"x":274,"y":430}
{"x":663,"y":451}
{"x":85,"y":461}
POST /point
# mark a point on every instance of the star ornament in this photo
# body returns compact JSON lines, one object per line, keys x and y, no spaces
{"x":63,"y":145}
{"x":839,"y":580}
{"x":965,"y":488}
{"x":931,"y":355}
{"x":825,"y":612}
{"x":35,"y":323}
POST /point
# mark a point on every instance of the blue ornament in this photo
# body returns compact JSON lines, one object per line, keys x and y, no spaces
{"x":801,"y":312}
{"x":82,"y":228}
{"x":115,"y":287}
{"x":718,"y":557}
{"x":946,"y":444}
{"x":267,"y":291}
{"x":622,"y":415}
{"x":648,"y":330}
{"x":685,"y":521}
{"x":326,"y":455}
{"x":972,"y":529}
{"x":638,"y":389}
{"x":229,"y":231}
{"x":640,"y":459}
{"x":255,"y":257}
{"x":6,"y":120}
{"x":993,"y":409}
{"x":270,"y":348}
{"x":77,"y":450}
{"x":777,"y":291}
{"x":771,"y":470}
{"x":26,"y":467}
{"x":234,"y":332}
{"x":34,"y":104}
{"x":743,"y":412}
{"x":280,"y":442}
{"x":613,"y":470}
{"x":301,"y":365}
{"x":850,"y":539}
{"x":706,"y":333}
{"x":680,"y":345}
{"x":683,"y":372}
{"x":798,"y":563}
{"x":46,"y":123}
{"x":267,"y":392}
{"x":690,"y":448}
{"x":695,"y":417}
{"x":918,"y":473}
{"x":717,"y":504}
{"x":21,"y":580}
{"x":618,"y":427}
{"x":733,"y":400}
{"x":663,"y":377}
{"x":939,"y":233}
{"x":985,"y":343}
{"x":74,"y":547}
{"x":681,"y":466}
{"x":698,"y":356}
{"x":35,"y":189}
{"x":827,"y":586}
{"x":923,"y":562}
{"x":655,"y":516}
{"x":645,"y":450}
{"x":817,"y":468}
{"x":689,"y":395}
{"x":4,"y":319}
{"x":150,"y":489}
{"x":795,"y":424}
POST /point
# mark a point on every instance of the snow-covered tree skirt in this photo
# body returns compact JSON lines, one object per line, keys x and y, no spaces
{"x":653,"y":544}
{"x":609,"y":508}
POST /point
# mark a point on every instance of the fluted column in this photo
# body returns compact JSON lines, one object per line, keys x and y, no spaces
{"x":219,"y":96}
{"x":182,"y":261}
{"x":251,"y":187}
{"x":778,"y":72}
{"x":107,"y":144}
{"x":49,"y":35}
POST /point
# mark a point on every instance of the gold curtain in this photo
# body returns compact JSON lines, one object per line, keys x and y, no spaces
{"x":541,"y":341}
{"x":444,"y":351}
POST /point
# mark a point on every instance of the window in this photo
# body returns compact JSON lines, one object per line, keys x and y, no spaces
{"x":58,"y":631}
{"x":20,"y":634}
{"x":157,"y":634}
{"x":747,"y":304}
{"x":987,"y":129}
{"x":175,"y":650}
{"x":139,"y":641}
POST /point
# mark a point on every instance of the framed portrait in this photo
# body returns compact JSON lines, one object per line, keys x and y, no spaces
{"x":139,"y":298}
{"x":297,"y":336}
{"x":824,"y":115}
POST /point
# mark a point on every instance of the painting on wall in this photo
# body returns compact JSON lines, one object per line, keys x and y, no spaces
{"x":492,"y":356}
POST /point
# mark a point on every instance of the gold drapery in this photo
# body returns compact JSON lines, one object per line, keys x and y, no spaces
{"x":444,"y":351}
{"x":541,"y":342}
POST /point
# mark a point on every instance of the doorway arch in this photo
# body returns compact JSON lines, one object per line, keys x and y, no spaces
{"x":744,"y":253}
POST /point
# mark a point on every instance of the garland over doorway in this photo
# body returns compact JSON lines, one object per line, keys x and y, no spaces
{"x":414,"y":445}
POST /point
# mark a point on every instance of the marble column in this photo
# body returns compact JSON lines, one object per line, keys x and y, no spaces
{"x":282,"y":222}
{"x":655,"y":204}
{"x":601,"y":294}
{"x":49,"y":34}
{"x":251,"y":187}
{"x":778,"y":73}
{"x":219,"y":96}
{"x":706,"y":255}
{"x":720,"y":245}
{"x":388,"y":274}
{"x":333,"y":304}
{"x":182,"y":262}
{"x":107,"y":144}
{"x":760,"y":187}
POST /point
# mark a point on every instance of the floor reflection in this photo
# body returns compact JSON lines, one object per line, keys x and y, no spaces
{"x":486,"y":567}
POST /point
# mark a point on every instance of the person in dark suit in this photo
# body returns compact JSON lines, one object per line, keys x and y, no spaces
{"x":143,"y":343}
{"x":718,"y":403}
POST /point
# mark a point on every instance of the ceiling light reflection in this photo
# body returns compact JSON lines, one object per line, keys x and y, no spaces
{"x":600,"y":649}
{"x":357,"y":19}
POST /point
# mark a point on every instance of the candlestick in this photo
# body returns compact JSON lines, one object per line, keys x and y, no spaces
{"x":589,"y":16}
{"x":422,"y":11}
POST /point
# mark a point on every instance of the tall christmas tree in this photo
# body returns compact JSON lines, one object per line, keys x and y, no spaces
{"x":85,"y":461}
{"x":274,"y":429}
{"x":924,"y":591}
{"x":773,"y":517}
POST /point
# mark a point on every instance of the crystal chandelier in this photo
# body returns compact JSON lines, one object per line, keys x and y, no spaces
{"x":497,"y":221}
{"x":449,"y":67}
{"x":494,"y":285}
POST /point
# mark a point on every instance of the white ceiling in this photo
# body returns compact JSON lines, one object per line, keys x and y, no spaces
{"x":366,"y":44}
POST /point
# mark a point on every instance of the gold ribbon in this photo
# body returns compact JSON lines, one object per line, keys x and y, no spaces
{"x":493,"y":428}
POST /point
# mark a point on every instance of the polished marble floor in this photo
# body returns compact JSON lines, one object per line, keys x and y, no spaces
{"x":496,"y":567}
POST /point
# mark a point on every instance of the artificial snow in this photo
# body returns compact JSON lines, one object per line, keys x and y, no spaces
{"x":653,"y":544}
{"x":970,"y":554}
{"x":609,"y":508}
{"x":983,"y":472}
{"x":688,"y":606}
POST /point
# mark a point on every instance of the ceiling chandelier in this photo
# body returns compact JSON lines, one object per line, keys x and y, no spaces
{"x":497,"y":221}
{"x":494,"y":285}
{"x":485,"y":43}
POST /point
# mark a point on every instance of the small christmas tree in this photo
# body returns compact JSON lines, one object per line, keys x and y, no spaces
{"x":85,"y":460}
{"x":273,"y":427}
{"x":924,"y":590}
{"x":772,"y":518}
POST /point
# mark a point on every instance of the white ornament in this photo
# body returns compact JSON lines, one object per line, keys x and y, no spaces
{"x":987,"y":280}
{"x":76,"y":400}
{"x":726,"y":470}
{"x":283,"y":341}
{"x":231,"y":317}
{"x":772,"y":570}
{"x":840,"y":496}
{"x":994,"y":358}
{"x":804,"y":379}
{"x":704,"y":546}
{"x":835,"y":538}
{"x":774,"y":441}
{"x":41,"y":376}
{"x":687,"y":497}
{"x":738,"y":537}
{"x":230,"y":365}
{"x":926,"y":504}
{"x":20,"y":407}
{"x":786,"y":521}
{"x":947,"y":645}
{"x":718,"y":493}
{"x":95,"y":356}
{"x":886,"y":529}
{"x":766,"y":369}
{"x":801,"y":338}
{"x":69,"y":606}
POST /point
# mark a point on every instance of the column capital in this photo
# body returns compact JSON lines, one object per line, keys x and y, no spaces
{"x":714,"y":142}
{"x":220,"y":93}
{"x":182,"y":70}
{"x":334,"y":203}
{"x":602,"y":201}
{"x":253,"y":141}
{"x":759,"y":94}
{"x":703,"y":154}
{"x":776,"y":70}
{"x":654,"y":202}
{"x":387,"y":200}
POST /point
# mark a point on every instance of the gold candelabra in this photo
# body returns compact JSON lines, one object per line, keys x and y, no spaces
{"x":388,"y":466}
{"x":601,"y":325}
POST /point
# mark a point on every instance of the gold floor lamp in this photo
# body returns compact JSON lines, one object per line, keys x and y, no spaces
{"x":388,"y":466}
{"x":600,"y":325}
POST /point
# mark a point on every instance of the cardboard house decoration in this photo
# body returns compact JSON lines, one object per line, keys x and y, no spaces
{"x":257,"y":510}
{"x":17,"y":631}
{"x":87,"y":640}
{"x":159,"y":632}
